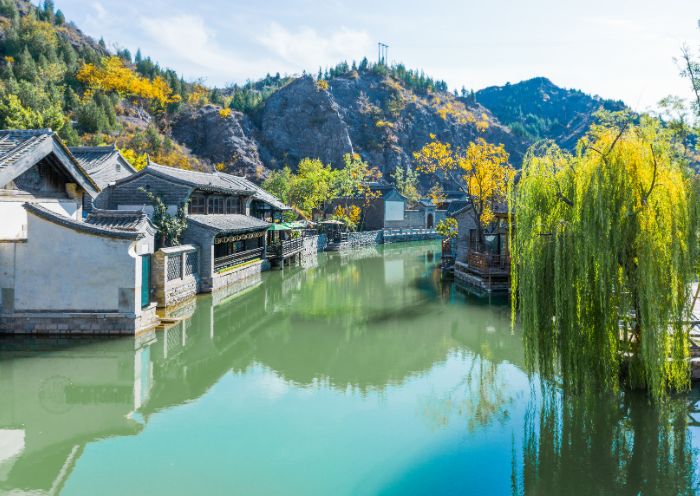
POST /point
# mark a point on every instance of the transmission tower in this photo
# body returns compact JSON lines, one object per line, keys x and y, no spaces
{"x":382,"y":53}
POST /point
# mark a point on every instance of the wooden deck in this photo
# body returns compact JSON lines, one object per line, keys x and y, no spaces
{"x":485,"y":271}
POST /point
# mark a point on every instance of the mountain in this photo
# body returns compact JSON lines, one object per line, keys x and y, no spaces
{"x":53,"y":75}
{"x":538,"y":109}
{"x":368,"y":111}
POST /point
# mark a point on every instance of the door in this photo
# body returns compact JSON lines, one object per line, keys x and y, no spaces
{"x":145,"y":280}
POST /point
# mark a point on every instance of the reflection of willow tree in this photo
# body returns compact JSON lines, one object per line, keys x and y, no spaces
{"x":480,"y":396}
{"x":606,"y":444}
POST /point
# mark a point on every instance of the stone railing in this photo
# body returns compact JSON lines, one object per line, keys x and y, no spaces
{"x":409,"y":234}
{"x":175,"y":274}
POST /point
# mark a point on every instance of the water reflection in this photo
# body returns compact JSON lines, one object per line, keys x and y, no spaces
{"x":609,"y":444}
{"x":57,"y":395}
{"x":429,"y":379}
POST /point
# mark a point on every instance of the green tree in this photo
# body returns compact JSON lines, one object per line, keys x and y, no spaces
{"x":604,"y":249}
{"x":170,"y":227}
{"x":406,"y":181}
{"x":278,"y":183}
{"x":312,"y":187}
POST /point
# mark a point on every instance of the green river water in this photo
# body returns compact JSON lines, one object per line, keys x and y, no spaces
{"x":363,"y":374}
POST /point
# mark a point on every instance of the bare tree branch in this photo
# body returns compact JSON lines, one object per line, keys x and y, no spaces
{"x":645,"y":198}
{"x":691,"y":70}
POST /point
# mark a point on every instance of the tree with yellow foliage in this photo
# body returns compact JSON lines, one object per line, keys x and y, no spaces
{"x":112,"y":75}
{"x":350,"y":215}
{"x":482,"y":171}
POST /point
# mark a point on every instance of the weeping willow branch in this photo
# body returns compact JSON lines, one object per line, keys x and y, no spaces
{"x":602,"y":285}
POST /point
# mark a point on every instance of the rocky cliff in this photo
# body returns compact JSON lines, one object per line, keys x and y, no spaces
{"x":370,"y":114}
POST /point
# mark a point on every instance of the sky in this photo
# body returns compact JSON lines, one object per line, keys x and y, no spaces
{"x":620,"y":49}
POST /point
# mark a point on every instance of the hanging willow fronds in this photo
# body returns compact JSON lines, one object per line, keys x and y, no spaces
{"x":604,"y":248}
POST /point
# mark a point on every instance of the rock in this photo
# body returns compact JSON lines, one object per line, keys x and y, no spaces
{"x":219,"y":139}
{"x":300,"y":121}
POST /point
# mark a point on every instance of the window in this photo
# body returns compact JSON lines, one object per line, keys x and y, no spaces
{"x":216,"y":205}
{"x":197,"y":205}
{"x":233,"y":205}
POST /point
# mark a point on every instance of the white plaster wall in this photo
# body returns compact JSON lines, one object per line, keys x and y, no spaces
{"x":393,"y":210}
{"x":61,"y":269}
{"x":7,"y":264}
{"x":14,"y":216}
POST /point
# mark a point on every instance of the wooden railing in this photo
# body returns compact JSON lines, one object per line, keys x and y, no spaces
{"x":237,"y":258}
{"x":488,"y":262}
{"x":284,"y":248}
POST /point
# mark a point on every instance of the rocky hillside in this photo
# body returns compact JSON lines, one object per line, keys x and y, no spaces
{"x":359,"y":112}
{"x":382,"y":113}
{"x":537,"y":109}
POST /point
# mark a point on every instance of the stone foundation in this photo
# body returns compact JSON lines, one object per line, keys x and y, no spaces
{"x":78,"y":323}
{"x":172,"y":292}
{"x":228,"y":278}
{"x":236,"y":287}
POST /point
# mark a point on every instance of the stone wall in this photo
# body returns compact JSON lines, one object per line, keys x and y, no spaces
{"x":365,"y":238}
{"x":202,"y":238}
{"x":79,"y":323}
{"x":174,"y":291}
{"x":245,"y":278}
{"x":233,"y":276}
{"x":309,"y":253}
{"x":406,"y":235}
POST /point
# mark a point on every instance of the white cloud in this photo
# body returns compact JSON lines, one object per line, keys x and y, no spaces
{"x":185,"y":41}
{"x":307,"y":49}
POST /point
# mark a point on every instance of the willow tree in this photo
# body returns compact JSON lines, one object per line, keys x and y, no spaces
{"x":604,"y":250}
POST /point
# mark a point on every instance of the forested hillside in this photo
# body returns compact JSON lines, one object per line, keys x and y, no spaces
{"x":537,"y":109}
{"x":52,"y":75}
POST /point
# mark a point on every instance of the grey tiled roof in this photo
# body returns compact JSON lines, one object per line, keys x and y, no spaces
{"x":104,"y":163}
{"x":213,"y":181}
{"x":217,"y":181}
{"x":80,"y":226}
{"x":120,"y":220}
{"x":229,"y":222}
{"x":262,"y":195}
{"x":456,"y":206}
{"x":17,"y":143}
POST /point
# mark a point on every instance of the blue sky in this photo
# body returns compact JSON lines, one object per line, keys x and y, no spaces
{"x":614,"y":48}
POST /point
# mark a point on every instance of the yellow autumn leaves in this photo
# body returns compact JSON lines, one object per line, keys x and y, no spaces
{"x":112,"y":74}
{"x":482,"y":168}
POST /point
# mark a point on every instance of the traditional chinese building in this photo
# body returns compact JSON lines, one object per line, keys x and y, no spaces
{"x":227,"y":216}
{"x":58,"y":272}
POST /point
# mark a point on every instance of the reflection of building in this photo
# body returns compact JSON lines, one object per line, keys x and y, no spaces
{"x":59,"y":396}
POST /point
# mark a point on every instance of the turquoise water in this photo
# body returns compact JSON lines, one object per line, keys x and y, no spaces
{"x":363,"y":374}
